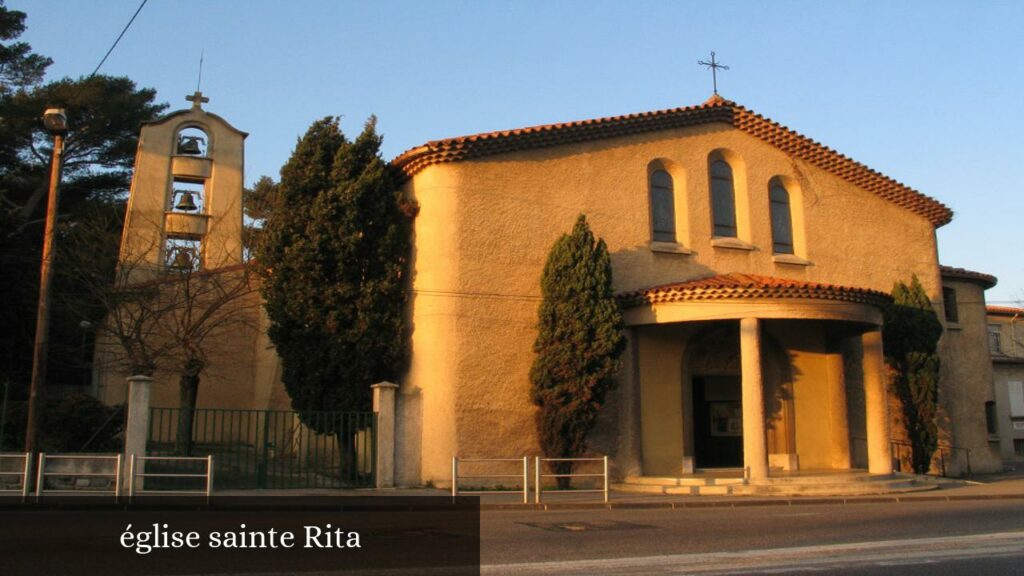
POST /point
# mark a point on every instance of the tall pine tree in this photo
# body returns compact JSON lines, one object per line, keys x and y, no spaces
{"x":911,"y":336}
{"x":334,"y":250}
{"x":578,"y":344}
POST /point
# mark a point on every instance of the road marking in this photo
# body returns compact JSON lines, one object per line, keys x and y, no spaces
{"x":771,"y":561}
{"x":798,"y":514}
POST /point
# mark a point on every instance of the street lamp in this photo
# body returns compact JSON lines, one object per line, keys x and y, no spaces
{"x":55,"y":120}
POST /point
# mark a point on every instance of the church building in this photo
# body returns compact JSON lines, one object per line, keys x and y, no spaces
{"x":752,"y":263}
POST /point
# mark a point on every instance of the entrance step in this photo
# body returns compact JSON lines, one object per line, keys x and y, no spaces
{"x":855,"y":488}
{"x":825,"y":484}
{"x":684,"y":490}
{"x":684,"y":481}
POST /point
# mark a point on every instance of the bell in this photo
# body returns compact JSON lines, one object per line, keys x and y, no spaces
{"x":189,"y":145}
{"x":183,"y":259}
{"x":186,"y":202}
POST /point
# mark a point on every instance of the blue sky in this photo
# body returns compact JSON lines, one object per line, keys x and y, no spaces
{"x":925,"y":92}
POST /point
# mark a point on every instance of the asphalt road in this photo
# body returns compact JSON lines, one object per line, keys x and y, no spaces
{"x":970,"y":537}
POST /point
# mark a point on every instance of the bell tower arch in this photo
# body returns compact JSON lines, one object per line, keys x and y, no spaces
{"x":185,"y":204}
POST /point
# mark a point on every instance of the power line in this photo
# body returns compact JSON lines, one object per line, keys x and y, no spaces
{"x":119,"y":36}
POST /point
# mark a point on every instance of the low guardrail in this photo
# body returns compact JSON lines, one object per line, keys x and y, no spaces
{"x":539,"y":476}
{"x":70,"y":471}
{"x":137,"y":470}
{"x":14,"y":472}
{"x":524,"y":476}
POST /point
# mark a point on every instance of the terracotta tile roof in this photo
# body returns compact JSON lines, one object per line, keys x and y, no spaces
{"x":742,"y":286}
{"x":1004,"y":311}
{"x":986,"y":280}
{"x":714,"y":110}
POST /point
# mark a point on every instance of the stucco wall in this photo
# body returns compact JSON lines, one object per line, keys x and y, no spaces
{"x":965,"y":382}
{"x":486,"y":226}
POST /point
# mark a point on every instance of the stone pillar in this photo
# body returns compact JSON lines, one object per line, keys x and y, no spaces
{"x":839,"y":420}
{"x":384,"y":407}
{"x":876,"y":403}
{"x":755,"y":449}
{"x":136,"y":431}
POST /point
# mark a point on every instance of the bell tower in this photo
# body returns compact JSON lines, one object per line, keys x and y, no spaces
{"x":185,"y":203}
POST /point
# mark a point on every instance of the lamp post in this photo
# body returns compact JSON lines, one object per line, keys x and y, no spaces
{"x":55,"y":121}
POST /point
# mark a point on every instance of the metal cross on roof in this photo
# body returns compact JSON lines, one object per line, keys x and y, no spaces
{"x":715,"y":66}
{"x":197,"y":99}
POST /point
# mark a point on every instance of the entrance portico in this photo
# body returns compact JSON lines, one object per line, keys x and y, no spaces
{"x":808,"y":358}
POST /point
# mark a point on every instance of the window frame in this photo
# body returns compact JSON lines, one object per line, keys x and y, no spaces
{"x":950,"y":309}
{"x":667,"y":196}
{"x":785,"y":207}
{"x":723,"y":200}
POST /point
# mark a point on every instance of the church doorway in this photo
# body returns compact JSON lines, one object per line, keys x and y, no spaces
{"x":718,"y":422}
{"x":715,"y":397}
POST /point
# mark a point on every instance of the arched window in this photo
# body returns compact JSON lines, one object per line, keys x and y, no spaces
{"x":782,"y":220}
{"x":723,"y":200}
{"x":663,"y":215}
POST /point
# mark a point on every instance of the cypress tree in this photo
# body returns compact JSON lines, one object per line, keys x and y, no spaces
{"x":578,"y":344}
{"x":911,"y":336}
{"x":333,"y":252}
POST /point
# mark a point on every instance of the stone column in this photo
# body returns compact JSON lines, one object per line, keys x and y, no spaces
{"x":876,"y":403}
{"x":839,"y":420}
{"x":136,"y":431}
{"x":755,"y":449}
{"x":384,"y":407}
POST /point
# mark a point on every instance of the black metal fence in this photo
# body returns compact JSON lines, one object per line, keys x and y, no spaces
{"x":278,"y":449}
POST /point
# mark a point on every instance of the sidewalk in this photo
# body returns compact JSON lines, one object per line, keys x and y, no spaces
{"x":988,"y":487}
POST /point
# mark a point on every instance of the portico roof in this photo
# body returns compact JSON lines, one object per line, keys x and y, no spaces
{"x":735,"y":286}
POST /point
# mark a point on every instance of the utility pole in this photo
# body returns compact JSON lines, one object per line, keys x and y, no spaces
{"x":55,"y":121}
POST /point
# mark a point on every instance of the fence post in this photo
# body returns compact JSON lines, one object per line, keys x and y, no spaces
{"x":455,"y":476}
{"x":136,"y":431}
{"x":40,"y":477}
{"x":606,"y":479}
{"x":209,"y":477}
{"x":526,"y":479}
{"x":131,"y":477}
{"x":26,"y":477}
{"x":536,"y":480}
{"x":384,"y":408}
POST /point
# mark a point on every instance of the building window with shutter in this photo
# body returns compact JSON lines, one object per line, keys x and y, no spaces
{"x":994,"y":345}
{"x":1016,"y":393}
